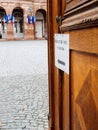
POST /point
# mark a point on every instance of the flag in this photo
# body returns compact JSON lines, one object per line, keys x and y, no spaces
{"x":12,"y":19}
{"x":5,"y":19}
{"x":9,"y":17}
{"x":33,"y":20}
{"x":28,"y":19}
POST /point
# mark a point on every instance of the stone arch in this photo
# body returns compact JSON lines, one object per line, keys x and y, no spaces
{"x":18,"y":14}
{"x":2,"y":12}
{"x":3,"y":29}
{"x":18,"y":10}
{"x":41,"y":22}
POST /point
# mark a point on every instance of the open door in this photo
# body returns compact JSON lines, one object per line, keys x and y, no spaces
{"x":58,"y":92}
{"x":73,"y":98}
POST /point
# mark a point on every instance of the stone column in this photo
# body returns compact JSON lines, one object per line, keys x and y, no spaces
{"x":28,"y":28}
{"x":29,"y":31}
{"x":10,"y":34}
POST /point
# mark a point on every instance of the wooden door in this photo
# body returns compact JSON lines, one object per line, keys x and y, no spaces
{"x":80,"y":22}
{"x":84,"y":65}
{"x":73,"y":98}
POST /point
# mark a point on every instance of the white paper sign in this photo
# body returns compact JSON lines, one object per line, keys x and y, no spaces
{"x":62,"y":52}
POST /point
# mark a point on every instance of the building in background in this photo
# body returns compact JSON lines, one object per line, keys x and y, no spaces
{"x":22,"y":25}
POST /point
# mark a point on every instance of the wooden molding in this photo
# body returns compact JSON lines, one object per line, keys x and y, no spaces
{"x":81,"y":20}
{"x":71,"y":4}
{"x":80,"y":26}
{"x":80,"y":7}
{"x":68,"y":1}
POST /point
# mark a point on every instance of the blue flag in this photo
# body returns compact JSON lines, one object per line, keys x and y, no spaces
{"x":28,"y":19}
{"x":5,"y":18}
{"x":33,"y":20}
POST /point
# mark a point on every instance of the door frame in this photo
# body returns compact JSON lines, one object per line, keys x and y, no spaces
{"x":56,"y":76}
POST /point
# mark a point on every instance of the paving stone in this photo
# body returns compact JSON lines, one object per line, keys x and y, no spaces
{"x":23,"y":91}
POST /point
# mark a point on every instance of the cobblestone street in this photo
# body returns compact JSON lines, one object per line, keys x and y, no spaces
{"x":23,"y":85}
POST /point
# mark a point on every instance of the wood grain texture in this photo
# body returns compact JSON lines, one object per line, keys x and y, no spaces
{"x":84,"y":40}
{"x":84,"y":73}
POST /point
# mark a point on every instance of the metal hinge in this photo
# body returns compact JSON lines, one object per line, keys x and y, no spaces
{"x":48,"y":117}
{"x":59,"y":20}
{"x":51,"y":124}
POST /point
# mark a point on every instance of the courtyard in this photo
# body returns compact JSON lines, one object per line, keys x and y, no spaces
{"x":23,"y":85}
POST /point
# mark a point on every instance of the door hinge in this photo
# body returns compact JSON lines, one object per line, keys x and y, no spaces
{"x":48,"y":117}
{"x":51,"y":124}
{"x":59,"y":20}
{"x":59,"y":23}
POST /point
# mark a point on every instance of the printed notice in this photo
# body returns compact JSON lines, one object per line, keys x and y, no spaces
{"x":62,"y":52}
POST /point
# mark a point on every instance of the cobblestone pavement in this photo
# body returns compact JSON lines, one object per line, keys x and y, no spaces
{"x":23,"y":94}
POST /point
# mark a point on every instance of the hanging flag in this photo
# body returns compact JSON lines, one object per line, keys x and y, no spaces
{"x":5,"y":19}
{"x":33,"y":20}
{"x":9,"y":17}
{"x":28,"y":19}
{"x":12,"y":19}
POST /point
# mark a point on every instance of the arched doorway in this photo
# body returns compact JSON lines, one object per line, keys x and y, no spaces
{"x":40,"y":28}
{"x":18,"y":26}
{"x":3,"y":28}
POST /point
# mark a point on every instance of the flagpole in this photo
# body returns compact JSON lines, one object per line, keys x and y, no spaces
{"x":34,"y":31}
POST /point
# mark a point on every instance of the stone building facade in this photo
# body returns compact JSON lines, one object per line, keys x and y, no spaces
{"x":20,"y":28}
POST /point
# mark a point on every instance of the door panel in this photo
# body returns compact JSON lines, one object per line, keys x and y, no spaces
{"x":84,"y":88}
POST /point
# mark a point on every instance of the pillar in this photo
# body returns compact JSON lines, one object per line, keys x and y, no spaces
{"x":28,"y":28}
{"x":10,"y":34}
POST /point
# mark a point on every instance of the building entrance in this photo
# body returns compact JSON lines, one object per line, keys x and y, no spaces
{"x":18,"y":29}
{"x":18,"y":23}
{"x":40,"y":28}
